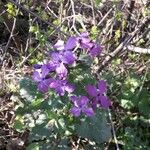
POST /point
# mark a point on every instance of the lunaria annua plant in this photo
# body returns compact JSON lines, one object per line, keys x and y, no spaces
{"x":53,"y":75}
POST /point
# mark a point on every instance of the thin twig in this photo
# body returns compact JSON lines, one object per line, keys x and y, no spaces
{"x":103,"y":20}
{"x":4,"y":11}
{"x":28,"y":41}
{"x":142,"y":35}
{"x":93,"y":13}
{"x":105,"y":16}
{"x":74,"y":19}
{"x":51,"y":11}
{"x":23,"y":61}
{"x":11,"y":35}
{"x":114,"y":53}
{"x":60,"y":16}
{"x":113,"y":130}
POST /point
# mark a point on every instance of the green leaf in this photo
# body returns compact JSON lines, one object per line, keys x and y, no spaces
{"x":85,"y":60}
{"x":33,"y":146}
{"x":95,"y":128}
{"x":94,"y":32}
{"x":41,"y":131}
{"x":1,"y":19}
{"x":144,"y":103}
{"x":28,"y":89}
{"x":37,"y":102}
{"x":127,"y":103}
{"x":18,"y":125}
{"x":117,"y":34}
{"x":98,"y":2}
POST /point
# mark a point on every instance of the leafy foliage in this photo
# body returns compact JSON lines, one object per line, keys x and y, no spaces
{"x":28,"y":89}
{"x":95,"y":128}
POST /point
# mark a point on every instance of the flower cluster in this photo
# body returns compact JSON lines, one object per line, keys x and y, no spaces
{"x":98,"y":95}
{"x":88,"y":105}
{"x":53,"y":74}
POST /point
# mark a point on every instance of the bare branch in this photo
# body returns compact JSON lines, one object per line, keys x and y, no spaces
{"x":113,"y":130}
{"x":74,"y":19}
{"x":121,"y":46}
{"x":11,"y":35}
{"x":138,"y":49}
{"x":93,"y":13}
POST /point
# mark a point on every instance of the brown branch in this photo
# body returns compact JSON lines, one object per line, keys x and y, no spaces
{"x":121,"y":46}
{"x":138,"y":49}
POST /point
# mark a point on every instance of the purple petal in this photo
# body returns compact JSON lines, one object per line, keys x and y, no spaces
{"x":83,"y":101}
{"x":94,"y":103}
{"x":60,"y":90}
{"x":59,"y":45}
{"x":51,"y":66}
{"x":74,"y":98}
{"x":69,"y":88}
{"x":84,"y":34}
{"x":58,"y":86}
{"x":55,"y":56}
{"x":102,"y":86}
{"x":88,"y":111}
{"x":37,"y":66}
{"x":54,"y":84}
{"x":92,"y":91}
{"x":71,"y":43}
{"x":61,"y":71}
{"x":68,"y":57}
{"x":44,"y":71}
{"x":85,"y":45}
{"x":75,"y":101}
{"x":96,"y":50}
{"x":105,"y":103}
{"x":44,"y":85}
{"x":85,"y":40}
{"x":75,"y":111}
{"x":36,"y":76}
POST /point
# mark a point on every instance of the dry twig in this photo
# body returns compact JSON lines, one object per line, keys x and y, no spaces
{"x":11,"y":35}
{"x":74,"y":19}
{"x":121,"y":46}
{"x":113,"y":130}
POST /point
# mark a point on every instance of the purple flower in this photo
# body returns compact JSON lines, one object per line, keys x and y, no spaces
{"x":95,"y":50}
{"x":61,"y":86}
{"x":81,"y":105}
{"x":71,"y":43}
{"x":58,"y":61}
{"x":99,"y":94}
{"x":40,"y":77}
{"x":61,"y":71}
{"x":84,"y":41}
{"x":51,"y":66}
{"x":68,"y":57}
